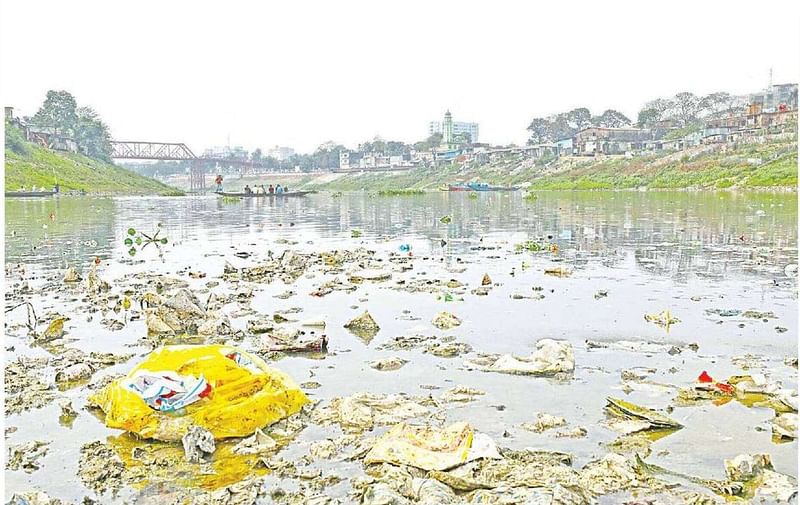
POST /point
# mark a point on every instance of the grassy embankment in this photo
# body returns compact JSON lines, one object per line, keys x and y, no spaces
{"x":772,"y":164}
{"x":41,"y":167}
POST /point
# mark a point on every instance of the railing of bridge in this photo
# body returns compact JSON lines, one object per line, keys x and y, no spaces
{"x":135,"y":150}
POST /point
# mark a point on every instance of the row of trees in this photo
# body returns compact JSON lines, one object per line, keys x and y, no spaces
{"x":684,"y":109}
{"x":687,"y":108}
{"x":60,"y":111}
{"x":326,"y":156}
{"x":567,"y":124}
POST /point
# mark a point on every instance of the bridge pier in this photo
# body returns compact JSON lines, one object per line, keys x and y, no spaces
{"x":197,"y":176}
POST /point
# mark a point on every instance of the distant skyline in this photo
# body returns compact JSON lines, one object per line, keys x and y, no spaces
{"x":302,"y":73}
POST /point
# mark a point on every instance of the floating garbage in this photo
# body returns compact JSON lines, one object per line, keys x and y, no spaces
{"x":388,"y":364}
{"x":544,"y":422}
{"x":363,"y":326}
{"x":26,"y":456}
{"x":642,"y":417}
{"x":723,"y":312}
{"x":558,"y":271}
{"x":258,"y":443}
{"x":228,"y":392}
{"x":364,"y":411}
{"x":784,"y":426}
{"x":71,"y":275}
{"x":445,"y":219}
{"x":749,"y":477}
{"x":486,"y":281}
{"x":664,"y":319}
{"x":181,"y":313}
{"x":431,"y":448}
{"x":405,"y":248}
{"x":750,"y":390}
{"x":198,"y":444}
{"x":551,"y":357}
{"x":54,"y":330}
{"x":445,"y":321}
{"x":294,"y":341}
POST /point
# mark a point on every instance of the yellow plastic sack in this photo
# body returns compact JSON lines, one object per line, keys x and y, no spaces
{"x":245,"y":394}
{"x":425,"y":447}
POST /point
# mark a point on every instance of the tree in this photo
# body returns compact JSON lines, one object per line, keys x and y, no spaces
{"x":648,"y":117}
{"x":579,"y":118}
{"x":686,"y":107}
{"x":397,"y":148}
{"x":256,"y":155}
{"x":541,"y":130}
{"x":432,"y":142}
{"x":271,"y":162}
{"x":566,"y":125}
{"x":15,"y":141}
{"x":611,"y":119}
{"x":378,"y":145}
{"x":327,"y":155}
{"x":654,"y":111}
{"x":59,"y":110}
{"x":721,"y":103}
{"x":91,"y":134}
{"x":83,"y":124}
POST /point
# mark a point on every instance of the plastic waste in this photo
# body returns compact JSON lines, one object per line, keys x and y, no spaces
{"x":167,"y":391}
{"x":198,"y":443}
{"x":405,"y":247}
{"x":551,"y":357}
{"x":664,"y":319}
{"x":647,"y":417}
{"x":245,"y":394}
{"x":431,"y":448}
{"x":445,"y":321}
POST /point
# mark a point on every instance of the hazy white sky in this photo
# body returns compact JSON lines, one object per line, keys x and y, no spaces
{"x":300,"y":73}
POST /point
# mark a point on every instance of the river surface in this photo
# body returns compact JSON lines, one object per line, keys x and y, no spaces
{"x":650,"y":251}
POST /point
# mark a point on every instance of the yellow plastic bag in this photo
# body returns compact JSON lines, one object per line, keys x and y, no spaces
{"x":245,"y":394}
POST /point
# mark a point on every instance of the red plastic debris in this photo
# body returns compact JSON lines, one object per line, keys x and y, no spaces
{"x":206,"y":392}
{"x":725,"y":388}
{"x":704,"y":377}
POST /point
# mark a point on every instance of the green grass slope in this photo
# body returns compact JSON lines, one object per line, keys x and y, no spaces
{"x":42,"y":167}
{"x":769,"y":164}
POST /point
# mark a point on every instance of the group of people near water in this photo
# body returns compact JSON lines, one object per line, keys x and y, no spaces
{"x":256,"y":190}
{"x":261,"y":190}
{"x":56,"y":188}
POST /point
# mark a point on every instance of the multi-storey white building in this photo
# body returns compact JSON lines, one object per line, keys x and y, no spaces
{"x":459,"y":127}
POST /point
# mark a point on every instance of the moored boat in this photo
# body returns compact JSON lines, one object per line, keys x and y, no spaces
{"x":265,"y":195}
{"x":479,"y":186}
{"x":29,"y":194}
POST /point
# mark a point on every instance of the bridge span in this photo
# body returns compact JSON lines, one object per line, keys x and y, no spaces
{"x":173,"y":151}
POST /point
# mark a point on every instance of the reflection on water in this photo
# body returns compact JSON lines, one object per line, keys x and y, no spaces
{"x":674,"y":234}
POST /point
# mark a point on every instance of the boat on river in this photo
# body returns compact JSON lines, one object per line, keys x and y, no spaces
{"x":29,"y":194}
{"x":265,"y":195}
{"x":479,"y":186}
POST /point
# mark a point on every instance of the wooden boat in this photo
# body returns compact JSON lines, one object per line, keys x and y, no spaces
{"x":479,"y":186}
{"x":266,"y":195}
{"x":29,"y":194}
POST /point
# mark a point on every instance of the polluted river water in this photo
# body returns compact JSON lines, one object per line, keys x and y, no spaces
{"x":724,"y":266}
